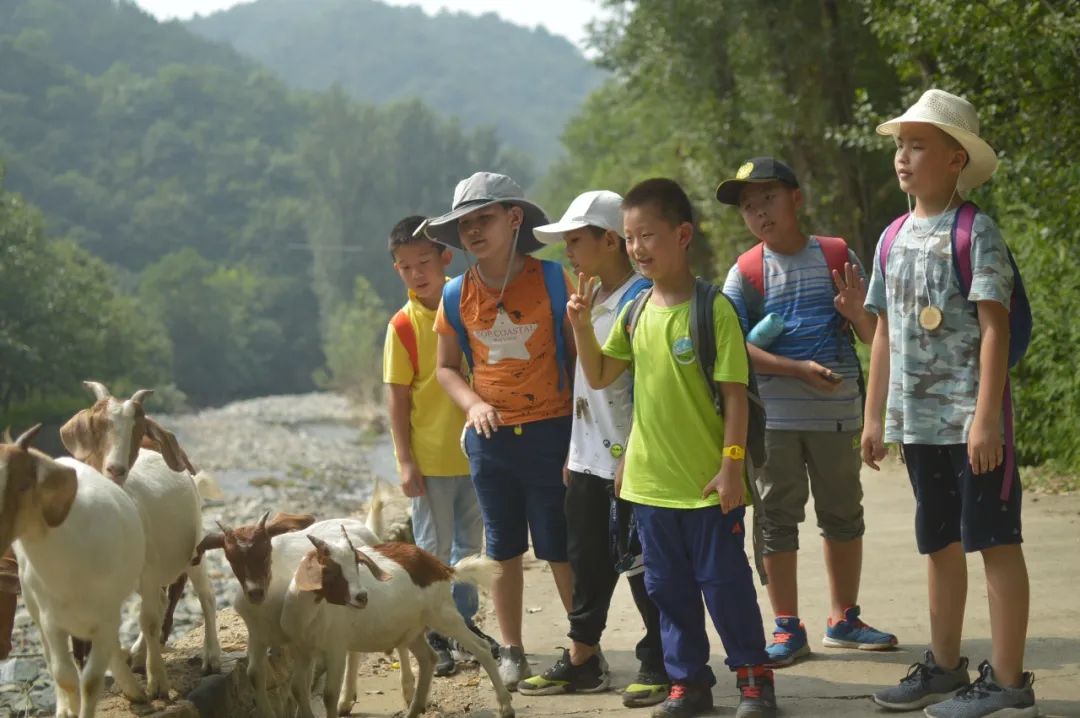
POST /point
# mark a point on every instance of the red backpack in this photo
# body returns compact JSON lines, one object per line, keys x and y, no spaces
{"x":404,"y":329}
{"x":751,"y":264}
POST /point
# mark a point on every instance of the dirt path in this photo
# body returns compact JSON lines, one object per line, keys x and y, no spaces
{"x":831,"y":682}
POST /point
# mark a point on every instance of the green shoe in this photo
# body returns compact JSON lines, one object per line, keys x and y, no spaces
{"x":648,"y":689}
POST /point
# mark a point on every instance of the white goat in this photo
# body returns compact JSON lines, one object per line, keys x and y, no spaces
{"x":79,"y":545}
{"x":107,"y":436}
{"x":263,"y":558}
{"x":402,"y":591}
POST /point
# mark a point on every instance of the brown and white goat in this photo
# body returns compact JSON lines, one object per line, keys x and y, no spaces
{"x":79,"y":544}
{"x":109,"y":436}
{"x":405,"y":591}
{"x":263,"y":558}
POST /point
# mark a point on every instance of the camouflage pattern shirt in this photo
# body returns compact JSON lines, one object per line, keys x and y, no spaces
{"x":934,"y":375}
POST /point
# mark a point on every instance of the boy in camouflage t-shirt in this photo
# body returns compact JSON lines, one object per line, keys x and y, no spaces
{"x":942,"y":361}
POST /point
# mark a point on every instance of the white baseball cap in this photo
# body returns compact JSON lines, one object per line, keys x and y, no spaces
{"x":598,"y":208}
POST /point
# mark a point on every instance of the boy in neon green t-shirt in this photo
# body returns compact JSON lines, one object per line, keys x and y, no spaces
{"x":684,"y":464}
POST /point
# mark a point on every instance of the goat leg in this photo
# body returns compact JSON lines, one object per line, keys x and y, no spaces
{"x":176,"y":591}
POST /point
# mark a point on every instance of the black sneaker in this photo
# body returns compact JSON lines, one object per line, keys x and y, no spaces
{"x":463,"y":656}
{"x":757,"y":694}
{"x":685,"y":700}
{"x":444,"y":662}
{"x":565,"y":677}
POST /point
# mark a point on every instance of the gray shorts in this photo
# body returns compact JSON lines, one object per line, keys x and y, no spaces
{"x":831,"y":461}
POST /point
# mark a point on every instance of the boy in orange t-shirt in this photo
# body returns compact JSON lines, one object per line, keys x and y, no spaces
{"x":506,"y":313}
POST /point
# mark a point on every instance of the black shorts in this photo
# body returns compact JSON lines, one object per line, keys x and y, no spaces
{"x":954,"y":505}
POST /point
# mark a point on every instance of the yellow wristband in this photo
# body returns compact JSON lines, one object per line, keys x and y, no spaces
{"x":735,"y":452}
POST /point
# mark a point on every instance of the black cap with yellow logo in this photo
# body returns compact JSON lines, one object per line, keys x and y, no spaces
{"x":759,"y":169}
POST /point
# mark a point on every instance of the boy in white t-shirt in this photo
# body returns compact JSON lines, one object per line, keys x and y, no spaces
{"x":592,"y":231}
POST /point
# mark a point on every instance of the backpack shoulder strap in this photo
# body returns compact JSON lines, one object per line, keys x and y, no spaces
{"x":633,"y":314}
{"x":555,"y":284}
{"x":963,"y":224}
{"x":887,"y":242}
{"x":640,"y":285}
{"x":451,"y":296}
{"x":751,"y":266}
{"x":703,"y":332}
{"x":406,"y":334}
{"x":835,"y":250}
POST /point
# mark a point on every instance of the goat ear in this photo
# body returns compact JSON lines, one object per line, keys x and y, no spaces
{"x":209,"y":542}
{"x":309,"y":574}
{"x":174,"y":456}
{"x":56,"y":485}
{"x":284,"y":523}
{"x":77,"y":436}
{"x":377,"y":572}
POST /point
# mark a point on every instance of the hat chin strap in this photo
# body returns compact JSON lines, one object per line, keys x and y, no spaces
{"x":509,"y":265}
{"x":955,"y":193}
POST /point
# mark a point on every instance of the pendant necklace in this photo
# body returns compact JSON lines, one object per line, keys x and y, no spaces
{"x":930,"y":316}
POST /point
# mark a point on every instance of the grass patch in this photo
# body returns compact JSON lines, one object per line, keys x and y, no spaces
{"x":1049,"y":479}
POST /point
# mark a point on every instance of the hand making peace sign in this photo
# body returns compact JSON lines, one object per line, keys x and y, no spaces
{"x":579,"y":306}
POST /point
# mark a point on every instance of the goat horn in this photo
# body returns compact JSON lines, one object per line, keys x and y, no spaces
{"x":347,"y":539}
{"x":7,"y":436}
{"x":100,"y":392}
{"x":262,"y":521}
{"x":223,"y":528}
{"x":141,"y":394}
{"x":23,"y":442}
{"x":319,"y":544}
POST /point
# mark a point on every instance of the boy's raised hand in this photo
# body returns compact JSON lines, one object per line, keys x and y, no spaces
{"x":850,"y":292}
{"x":579,"y":306}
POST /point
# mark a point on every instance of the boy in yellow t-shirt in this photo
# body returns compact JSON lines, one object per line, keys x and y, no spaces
{"x":426,"y":425}
{"x":684,"y":463}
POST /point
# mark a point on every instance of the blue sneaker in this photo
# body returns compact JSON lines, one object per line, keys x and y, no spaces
{"x":789,"y":642}
{"x":853,"y":633}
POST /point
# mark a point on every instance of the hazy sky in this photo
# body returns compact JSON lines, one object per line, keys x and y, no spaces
{"x":564,"y":17}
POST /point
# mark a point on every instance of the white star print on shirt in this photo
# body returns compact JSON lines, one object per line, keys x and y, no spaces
{"x":505,"y":340}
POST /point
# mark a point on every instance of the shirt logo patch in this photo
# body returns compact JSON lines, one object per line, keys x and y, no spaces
{"x":505,"y":340}
{"x":683,"y":350}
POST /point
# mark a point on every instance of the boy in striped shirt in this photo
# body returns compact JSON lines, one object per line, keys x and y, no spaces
{"x":811,"y":382}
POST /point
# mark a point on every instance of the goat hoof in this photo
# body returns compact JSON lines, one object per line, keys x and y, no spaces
{"x":211,"y":666}
{"x":157,"y":690}
{"x":137,"y":696}
{"x":507,"y":712}
{"x":344,"y":709}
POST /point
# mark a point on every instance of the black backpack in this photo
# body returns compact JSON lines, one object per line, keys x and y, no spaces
{"x":703,"y":337}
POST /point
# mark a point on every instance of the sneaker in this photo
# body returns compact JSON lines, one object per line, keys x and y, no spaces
{"x":986,"y":697}
{"x":757,"y":693}
{"x":460,"y":654}
{"x":789,"y":642}
{"x":565,"y":677}
{"x":685,"y":700}
{"x":853,"y":633}
{"x":648,"y":689}
{"x":926,"y":683}
{"x":513,"y":668}
{"x":445,"y":665}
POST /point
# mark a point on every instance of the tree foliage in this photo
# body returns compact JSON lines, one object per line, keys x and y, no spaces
{"x":699,"y":86}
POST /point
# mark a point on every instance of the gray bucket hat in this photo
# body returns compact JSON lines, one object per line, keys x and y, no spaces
{"x":484,"y":189}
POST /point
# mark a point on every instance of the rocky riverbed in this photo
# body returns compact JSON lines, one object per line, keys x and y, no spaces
{"x":316,"y":453}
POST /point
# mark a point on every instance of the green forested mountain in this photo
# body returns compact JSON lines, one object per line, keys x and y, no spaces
{"x":483,"y":70}
{"x":236,"y":215}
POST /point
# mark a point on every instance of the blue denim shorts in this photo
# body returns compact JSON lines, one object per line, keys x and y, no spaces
{"x":517,"y":474}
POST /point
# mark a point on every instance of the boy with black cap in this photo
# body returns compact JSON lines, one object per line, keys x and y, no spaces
{"x":811,"y":383}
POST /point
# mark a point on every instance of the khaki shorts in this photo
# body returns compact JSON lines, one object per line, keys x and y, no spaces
{"x":831,"y":461}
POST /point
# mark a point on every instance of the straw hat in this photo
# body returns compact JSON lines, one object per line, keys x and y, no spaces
{"x":956,"y":117}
